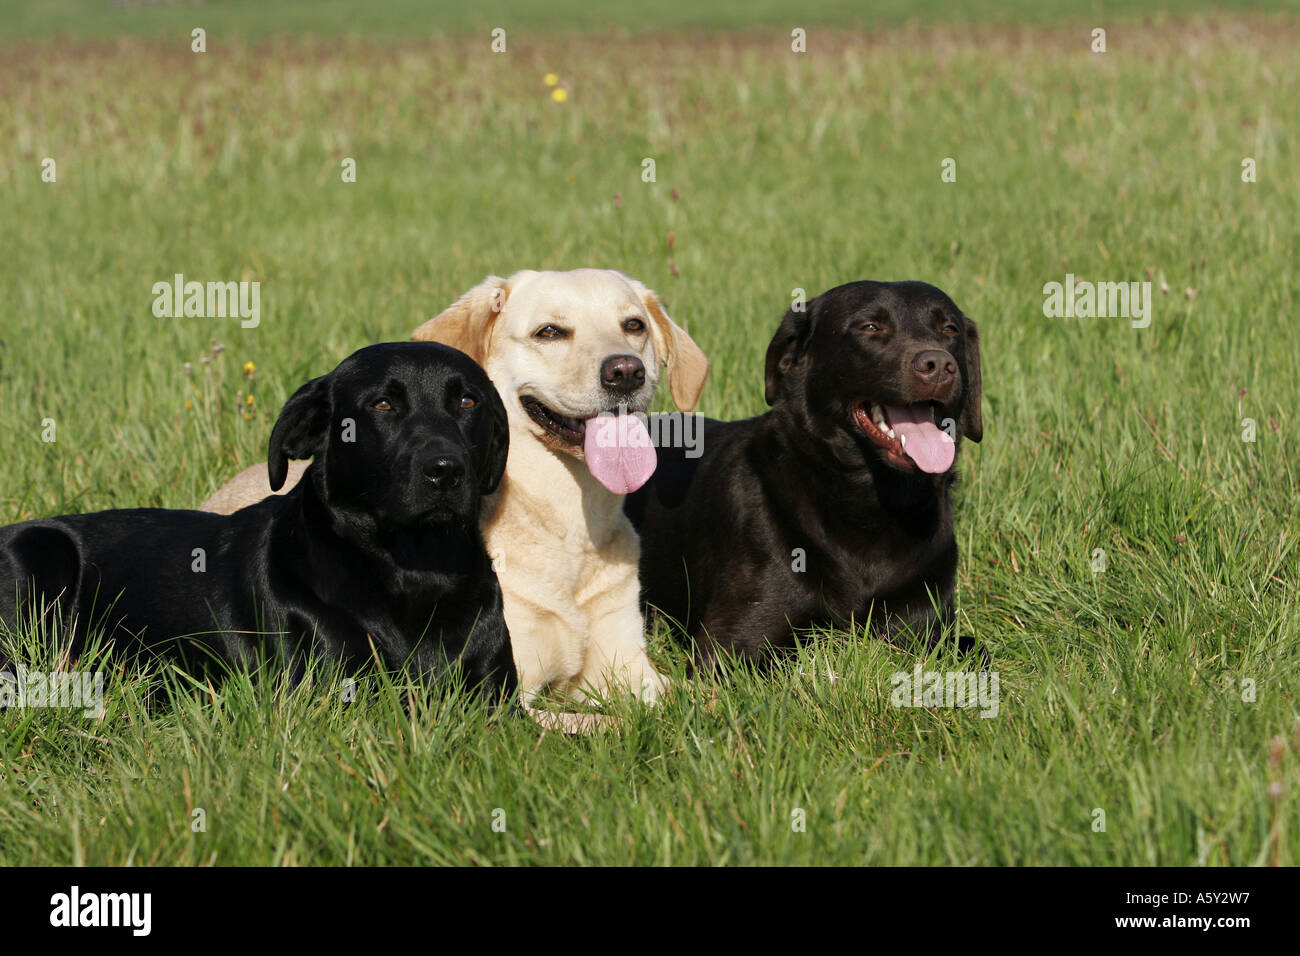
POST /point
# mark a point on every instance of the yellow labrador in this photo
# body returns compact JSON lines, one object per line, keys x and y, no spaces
{"x":565,"y":350}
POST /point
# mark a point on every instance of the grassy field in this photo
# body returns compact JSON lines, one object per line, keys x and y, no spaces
{"x":45,"y":20}
{"x":1162,"y":690}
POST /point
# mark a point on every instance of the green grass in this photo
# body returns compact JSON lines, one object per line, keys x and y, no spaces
{"x":1120,"y":690}
{"x":257,"y":19}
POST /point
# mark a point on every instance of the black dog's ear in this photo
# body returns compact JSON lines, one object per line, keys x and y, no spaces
{"x":786,"y":347}
{"x":492,"y":458}
{"x":972,"y":419}
{"x":300,"y":430}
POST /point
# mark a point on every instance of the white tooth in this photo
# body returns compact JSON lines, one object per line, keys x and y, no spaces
{"x":890,"y":433}
{"x":902,"y":440}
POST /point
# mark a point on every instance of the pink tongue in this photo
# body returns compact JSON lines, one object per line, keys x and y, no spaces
{"x":619,"y":452}
{"x":927,"y":444}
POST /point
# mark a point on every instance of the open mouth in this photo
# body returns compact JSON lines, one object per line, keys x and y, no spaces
{"x":909,"y":435}
{"x":570,"y":431}
{"x":616,"y":447}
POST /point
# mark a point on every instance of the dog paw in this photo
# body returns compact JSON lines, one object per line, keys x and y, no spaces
{"x":574,"y":724}
{"x":654,"y":686}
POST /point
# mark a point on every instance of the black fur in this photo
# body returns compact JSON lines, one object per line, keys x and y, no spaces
{"x":367,"y":547}
{"x":721,"y":534}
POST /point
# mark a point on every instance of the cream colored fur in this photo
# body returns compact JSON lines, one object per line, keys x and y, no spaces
{"x":565,"y":553}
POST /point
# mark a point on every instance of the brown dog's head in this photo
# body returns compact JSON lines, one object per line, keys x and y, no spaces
{"x":890,"y":369}
{"x":566,"y":347}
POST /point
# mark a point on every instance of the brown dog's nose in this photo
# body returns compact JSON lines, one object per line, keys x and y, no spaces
{"x":622,"y":373}
{"x":934,"y":366}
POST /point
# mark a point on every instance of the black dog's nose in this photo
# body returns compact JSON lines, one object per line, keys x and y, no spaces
{"x":934,"y":366}
{"x":445,"y":472}
{"x":622,"y":373}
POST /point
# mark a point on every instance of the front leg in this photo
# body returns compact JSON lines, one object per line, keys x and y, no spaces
{"x":748,"y":632}
{"x":923,"y":612}
{"x":616,"y":655}
{"x":547,"y":644}
{"x":487,"y":659}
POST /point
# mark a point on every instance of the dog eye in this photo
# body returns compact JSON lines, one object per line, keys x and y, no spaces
{"x":633,"y":326}
{"x":383,"y":405}
{"x":868,"y":327}
{"x":468,"y":401}
{"x":951,"y":329}
{"x":550,"y":332}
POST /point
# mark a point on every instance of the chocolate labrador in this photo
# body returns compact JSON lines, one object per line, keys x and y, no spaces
{"x":833,"y":507}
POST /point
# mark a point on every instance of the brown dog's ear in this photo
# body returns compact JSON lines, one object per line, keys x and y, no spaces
{"x":300,"y":431}
{"x":972,"y":419}
{"x":688,"y":366}
{"x":786,"y":348}
{"x":467,"y":323}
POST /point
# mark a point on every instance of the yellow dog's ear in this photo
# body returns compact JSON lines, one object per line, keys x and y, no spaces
{"x":467,"y":323}
{"x":688,"y":366}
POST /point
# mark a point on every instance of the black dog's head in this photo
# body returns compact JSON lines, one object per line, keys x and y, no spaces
{"x":410,"y":433}
{"x":889,"y":370}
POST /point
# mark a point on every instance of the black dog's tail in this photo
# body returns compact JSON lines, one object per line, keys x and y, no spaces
{"x":39,"y":578}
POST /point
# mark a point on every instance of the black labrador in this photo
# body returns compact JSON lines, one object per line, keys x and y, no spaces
{"x":378,"y":543}
{"x":833,"y":506}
